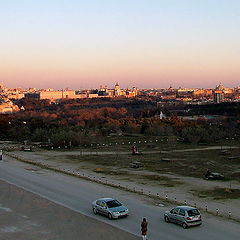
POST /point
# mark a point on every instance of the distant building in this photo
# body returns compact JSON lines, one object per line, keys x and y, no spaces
{"x":16,"y":96}
{"x":218,"y":94}
{"x":53,"y":95}
{"x":7,"y":106}
{"x":1,"y":87}
{"x":56,"y":95}
{"x":185,"y":92}
{"x":117,"y":90}
{"x":131,"y":93}
{"x":92,"y":95}
{"x":202,"y":92}
{"x":218,"y":97}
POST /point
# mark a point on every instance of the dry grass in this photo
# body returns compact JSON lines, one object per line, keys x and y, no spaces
{"x":161,"y":180}
{"x":190,"y":163}
{"x":110,"y":172}
{"x":218,"y":193}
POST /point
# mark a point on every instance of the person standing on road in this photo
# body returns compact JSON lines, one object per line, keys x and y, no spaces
{"x":144,"y":225}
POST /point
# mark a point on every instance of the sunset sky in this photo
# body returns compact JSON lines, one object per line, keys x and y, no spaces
{"x":143,"y":43}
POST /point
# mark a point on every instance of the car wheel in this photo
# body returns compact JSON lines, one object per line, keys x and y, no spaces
{"x":110,"y":216}
{"x":166,"y":219}
{"x":95,"y":211}
{"x":184,"y":225}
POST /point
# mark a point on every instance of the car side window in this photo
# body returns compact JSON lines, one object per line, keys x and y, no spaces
{"x":104,"y":204}
{"x":100,"y":203}
{"x":174,"y":211}
{"x":181,"y":212}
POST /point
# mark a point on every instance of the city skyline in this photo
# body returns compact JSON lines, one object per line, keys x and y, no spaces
{"x":146,"y":44}
{"x":113,"y":85}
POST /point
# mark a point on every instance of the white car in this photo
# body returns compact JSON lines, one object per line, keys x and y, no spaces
{"x":186,"y":216}
{"x":110,"y":207}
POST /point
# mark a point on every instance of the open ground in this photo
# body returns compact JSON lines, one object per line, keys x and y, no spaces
{"x":171,"y":170}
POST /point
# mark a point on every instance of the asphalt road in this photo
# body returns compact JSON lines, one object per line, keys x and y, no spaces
{"x":27,"y":216}
{"x":77,"y":194}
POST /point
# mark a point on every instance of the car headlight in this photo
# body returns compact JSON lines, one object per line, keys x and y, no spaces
{"x":115,"y":213}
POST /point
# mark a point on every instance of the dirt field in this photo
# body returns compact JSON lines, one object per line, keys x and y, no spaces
{"x":25,"y":216}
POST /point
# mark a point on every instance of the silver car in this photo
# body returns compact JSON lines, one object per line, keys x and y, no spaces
{"x":109,"y":207}
{"x":186,"y":216}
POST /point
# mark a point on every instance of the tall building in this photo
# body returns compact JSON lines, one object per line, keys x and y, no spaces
{"x":218,"y":96}
{"x":117,"y":90}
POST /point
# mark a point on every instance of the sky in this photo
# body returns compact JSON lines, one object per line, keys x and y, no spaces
{"x":80,"y":44}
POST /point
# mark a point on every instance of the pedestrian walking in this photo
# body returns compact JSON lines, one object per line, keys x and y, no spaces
{"x":144,"y":225}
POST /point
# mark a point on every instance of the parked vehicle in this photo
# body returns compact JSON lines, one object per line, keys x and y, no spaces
{"x":185,"y":216}
{"x":136,"y":164}
{"x":110,"y":207}
{"x":26,"y":148}
{"x":214,"y":176}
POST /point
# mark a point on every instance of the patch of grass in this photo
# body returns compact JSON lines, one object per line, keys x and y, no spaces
{"x":235,"y":175}
{"x":189,"y":163}
{"x":156,"y":177}
{"x":218,"y":193}
{"x":110,"y":172}
{"x":162,"y":180}
{"x":71,"y":158}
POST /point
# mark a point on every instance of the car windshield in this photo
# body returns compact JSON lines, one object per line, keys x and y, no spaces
{"x":113,"y":203}
{"x":193,"y":212}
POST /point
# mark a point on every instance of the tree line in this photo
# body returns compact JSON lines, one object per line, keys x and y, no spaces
{"x":78,"y":122}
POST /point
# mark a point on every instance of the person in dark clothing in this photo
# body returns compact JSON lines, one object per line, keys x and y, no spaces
{"x":144,"y":225}
{"x":134,"y":150}
{"x":207,"y":174}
